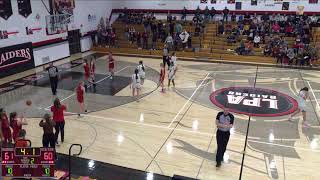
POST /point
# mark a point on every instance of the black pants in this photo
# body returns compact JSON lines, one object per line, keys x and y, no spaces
{"x":49,"y":140}
{"x":165,"y":60}
{"x":59,"y":127}
{"x":54,"y":84}
{"x":222,"y":142}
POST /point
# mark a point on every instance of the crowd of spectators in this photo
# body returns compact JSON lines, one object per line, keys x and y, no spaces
{"x":271,"y":33}
{"x":268,"y":32}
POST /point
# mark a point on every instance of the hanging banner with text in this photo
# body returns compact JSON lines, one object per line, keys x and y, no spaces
{"x":15,"y":59}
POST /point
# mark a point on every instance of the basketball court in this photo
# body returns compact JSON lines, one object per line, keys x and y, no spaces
{"x":174,"y":132}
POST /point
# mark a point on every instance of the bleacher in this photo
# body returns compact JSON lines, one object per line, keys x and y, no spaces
{"x":209,"y":46}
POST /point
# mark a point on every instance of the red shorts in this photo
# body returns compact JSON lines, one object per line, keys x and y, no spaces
{"x":111,"y":66}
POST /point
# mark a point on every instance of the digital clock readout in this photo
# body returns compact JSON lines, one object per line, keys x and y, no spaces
{"x":27,"y":162}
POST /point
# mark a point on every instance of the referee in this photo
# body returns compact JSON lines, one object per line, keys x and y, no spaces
{"x":224,"y":122}
{"x":53,"y":76}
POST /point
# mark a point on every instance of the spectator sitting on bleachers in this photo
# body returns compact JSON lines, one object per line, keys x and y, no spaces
{"x":169,"y":42}
{"x":240,"y":50}
{"x":169,"y":17}
{"x":267,"y":50}
{"x":228,"y":28}
{"x":184,"y":36}
{"x":190,"y":40}
{"x":132,"y":32}
{"x":231,"y":39}
{"x":197,"y":31}
{"x":257,"y":40}
{"x":176,"y":42}
{"x":138,"y":37}
{"x":145,"y":38}
{"x":178,"y":28}
{"x":221,"y":28}
{"x":233,"y":17}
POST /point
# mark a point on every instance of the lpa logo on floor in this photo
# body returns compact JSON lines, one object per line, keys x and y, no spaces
{"x":254,"y":101}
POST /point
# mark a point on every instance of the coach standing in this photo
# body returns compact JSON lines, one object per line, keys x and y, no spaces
{"x":53,"y":76}
{"x":224,"y":122}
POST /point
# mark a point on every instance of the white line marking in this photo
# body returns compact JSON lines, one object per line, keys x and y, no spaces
{"x":313,"y":95}
{"x":188,"y":100}
{"x":90,"y":86}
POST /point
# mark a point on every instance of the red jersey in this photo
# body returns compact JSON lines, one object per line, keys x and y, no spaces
{"x":58,"y":114}
{"x":86,"y":70}
{"x":162,"y":74}
{"x":5,"y":127}
{"x":80,"y":94}
{"x":111,"y":63}
{"x":16,"y":129}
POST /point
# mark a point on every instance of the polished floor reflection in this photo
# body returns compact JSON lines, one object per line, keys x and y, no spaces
{"x":173,"y":133}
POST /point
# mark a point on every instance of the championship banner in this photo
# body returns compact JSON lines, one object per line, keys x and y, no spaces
{"x":15,"y":59}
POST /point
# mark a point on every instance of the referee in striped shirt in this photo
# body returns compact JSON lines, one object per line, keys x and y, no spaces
{"x":53,"y":76}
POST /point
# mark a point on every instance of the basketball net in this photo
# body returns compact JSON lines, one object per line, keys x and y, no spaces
{"x":300,"y":10}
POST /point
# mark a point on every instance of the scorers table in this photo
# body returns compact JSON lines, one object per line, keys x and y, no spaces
{"x":27,"y":162}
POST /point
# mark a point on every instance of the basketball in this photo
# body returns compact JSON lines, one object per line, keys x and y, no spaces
{"x":28,"y":102}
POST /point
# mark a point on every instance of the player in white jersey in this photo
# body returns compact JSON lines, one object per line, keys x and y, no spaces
{"x":142,"y":72}
{"x":302,"y":98}
{"x":172,"y":74}
{"x":135,"y":83}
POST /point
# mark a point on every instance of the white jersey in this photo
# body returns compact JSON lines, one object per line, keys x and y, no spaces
{"x":301,"y":99}
{"x":142,"y":73}
{"x":171,"y":73}
{"x":136,"y":81}
{"x":174,"y":60}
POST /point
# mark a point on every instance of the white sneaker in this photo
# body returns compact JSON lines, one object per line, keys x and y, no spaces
{"x":305,"y":124}
{"x":111,"y":77}
{"x":290,"y":119}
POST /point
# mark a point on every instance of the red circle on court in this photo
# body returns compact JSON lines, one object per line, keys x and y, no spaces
{"x":254,"y":101}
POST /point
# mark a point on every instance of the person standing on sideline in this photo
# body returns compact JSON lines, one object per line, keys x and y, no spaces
{"x":80,"y":91}
{"x":165,"y":57}
{"x":142,"y":72}
{"x":302,"y":98}
{"x":135,"y":83}
{"x":53,"y":76}
{"x":111,"y":65}
{"x":225,"y":13}
{"x":48,"y":138}
{"x":224,"y":122}
{"x":92,"y":72}
{"x":58,"y":117}
{"x":162,"y":76}
{"x":86,"y":68}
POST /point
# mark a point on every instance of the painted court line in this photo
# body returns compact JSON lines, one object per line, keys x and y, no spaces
{"x":68,"y":97}
{"x":313,"y":94}
{"x":200,"y":85}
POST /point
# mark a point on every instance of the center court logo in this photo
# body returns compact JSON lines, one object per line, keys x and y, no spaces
{"x":254,"y":101}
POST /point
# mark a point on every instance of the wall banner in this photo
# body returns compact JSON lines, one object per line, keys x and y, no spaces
{"x":15,"y":59}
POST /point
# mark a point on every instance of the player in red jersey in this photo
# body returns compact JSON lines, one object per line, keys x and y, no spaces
{"x":111,"y":65}
{"x":58,"y":117}
{"x":16,"y":124}
{"x":162,"y":75}
{"x":5,"y":127}
{"x":80,"y":91}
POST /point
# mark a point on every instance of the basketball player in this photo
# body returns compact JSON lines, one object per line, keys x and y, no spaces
{"x":171,"y":74}
{"x":173,"y":58}
{"x":48,"y":138}
{"x":80,"y":91}
{"x":16,"y":124}
{"x":135,"y":83}
{"x":86,"y":68}
{"x":302,"y":98}
{"x":162,"y":76}
{"x":224,"y":122}
{"x":58,"y":117}
{"x":142,"y":72}
{"x":111,"y":65}
{"x":92,"y":71}
{"x":5,"y":128}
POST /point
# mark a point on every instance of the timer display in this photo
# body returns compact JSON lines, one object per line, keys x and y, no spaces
{"x":27,"y":162}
